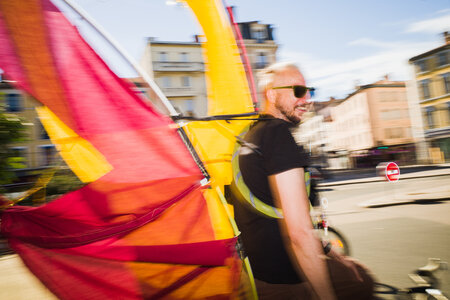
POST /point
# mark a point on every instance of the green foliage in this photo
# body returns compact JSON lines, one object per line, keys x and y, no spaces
{"x":11,"y":130}
{"x":62,"y":182}
{"x":16,"y":162}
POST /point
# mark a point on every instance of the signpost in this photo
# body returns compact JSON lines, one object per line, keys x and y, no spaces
{"x":389,"y":171}
{"x":392,"y":172}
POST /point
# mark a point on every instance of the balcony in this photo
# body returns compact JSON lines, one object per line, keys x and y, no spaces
{"x":178,"y":66}
{"x":179,"y":91}
{"x":259,"y":65}
{"x":439,"y":132}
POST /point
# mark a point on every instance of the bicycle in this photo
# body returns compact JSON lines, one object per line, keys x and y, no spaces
{"x":427,"y":284}
{"x":328,"y":233}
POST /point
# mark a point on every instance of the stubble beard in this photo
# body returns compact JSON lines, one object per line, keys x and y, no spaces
{"x":288,"y":113}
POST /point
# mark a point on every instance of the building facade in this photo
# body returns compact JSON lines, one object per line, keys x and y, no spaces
{"x":432,"y":80}
{"x":36,"y":150}
{"x":312,"y":134}
{"x":373,"y":125}
{"x":260,"y":46}
{"x":179,"y":67}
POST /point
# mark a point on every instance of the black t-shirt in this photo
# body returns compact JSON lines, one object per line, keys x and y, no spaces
{"x":263,"y":243}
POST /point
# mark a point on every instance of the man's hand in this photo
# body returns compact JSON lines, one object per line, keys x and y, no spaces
{"x":348,"y":262}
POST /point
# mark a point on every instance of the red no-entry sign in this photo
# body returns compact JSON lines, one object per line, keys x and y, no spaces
{"x":389,"y":171}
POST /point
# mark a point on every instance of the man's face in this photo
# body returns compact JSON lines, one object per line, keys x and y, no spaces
{"x":290,"y":108}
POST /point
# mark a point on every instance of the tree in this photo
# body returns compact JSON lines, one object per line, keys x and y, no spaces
{"x":63,"y":181}
{"x":11,"y":130}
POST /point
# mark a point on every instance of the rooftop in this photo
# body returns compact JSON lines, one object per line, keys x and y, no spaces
{"x":383,"y":83}
{"x":446,"y":46}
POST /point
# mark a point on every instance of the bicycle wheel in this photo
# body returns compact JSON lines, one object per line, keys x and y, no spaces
{"x":336,"y":239}
{"x":382,"y":288}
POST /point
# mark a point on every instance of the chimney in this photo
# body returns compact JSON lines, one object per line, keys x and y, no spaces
{"x":198,"y":38}
{"x":386,"y":77}
{"x":233,"y":10}
{"x":446,"y":35}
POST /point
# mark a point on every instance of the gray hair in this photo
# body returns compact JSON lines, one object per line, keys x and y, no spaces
{"x":266,"y":76}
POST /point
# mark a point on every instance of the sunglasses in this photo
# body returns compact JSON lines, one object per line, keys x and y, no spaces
{"x":299,"y":90}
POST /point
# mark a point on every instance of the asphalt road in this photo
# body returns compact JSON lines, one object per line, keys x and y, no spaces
{"x":394,"y":240}
{"x":339,"y":175}
{"x":391,"y":240}
{"x":362,"y":192}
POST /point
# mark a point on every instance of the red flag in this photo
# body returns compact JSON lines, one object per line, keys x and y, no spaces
{"x":143,"y":229}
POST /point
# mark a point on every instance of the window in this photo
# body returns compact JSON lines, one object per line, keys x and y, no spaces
{"x":393,"y":114}
{"x":393,"y":133}
{"x":448,"y":112}
{"x":189,"y":105}
{"x":13,"y":102}
{"x":424,"y":87}
{"x":47,"y":153}
{"x":421,"y":66}
{"x":184,"y":57}
{"x":261,"y":60}
{"x":408,"y":132}
{"x":163,"y":56}
{"x":446,"y":81}
{"x":385,"y":96}
{"x":259,"y":35}
{"x":401,"y":96}
{"x":19,"y":155}
{"x":186,"y":81}
{"x":429,"y":116}
{"x":166,"y":82}
{"x":442,"y":58}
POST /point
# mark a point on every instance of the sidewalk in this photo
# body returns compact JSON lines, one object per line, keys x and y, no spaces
{"x":443,"y":194}
{"x":415,"y":194}
{"x":441,"y":170}
{"x":17,"y":282}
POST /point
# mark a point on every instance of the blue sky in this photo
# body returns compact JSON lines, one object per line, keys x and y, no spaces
{"x":336,"y":43}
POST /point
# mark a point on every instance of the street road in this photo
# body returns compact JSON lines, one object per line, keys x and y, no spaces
{"x":394,"y":240}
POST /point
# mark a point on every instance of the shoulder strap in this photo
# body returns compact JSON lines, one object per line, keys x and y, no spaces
{"x":241,"y":191}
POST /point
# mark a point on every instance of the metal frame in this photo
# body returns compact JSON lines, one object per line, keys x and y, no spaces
{"x":128,"y":58}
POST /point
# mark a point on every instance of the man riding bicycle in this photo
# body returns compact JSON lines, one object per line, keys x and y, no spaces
{"x":288,"y":261}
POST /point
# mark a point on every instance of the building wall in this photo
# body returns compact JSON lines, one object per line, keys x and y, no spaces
{"x":178,"y":69}
{"x":371,"y":125}
{"x":311,"y":134}
{"x":389,"y":115}
{"x":166,"y":62}
{"x":351,"y":128}
{"x":434,"y":90}
{"x":432,"y":79}
{"x":260,"y":46}
{"x":417,"y":125}
{"x":37,"y":149}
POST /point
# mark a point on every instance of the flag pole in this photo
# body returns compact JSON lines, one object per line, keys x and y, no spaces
{"x":128,"y":58}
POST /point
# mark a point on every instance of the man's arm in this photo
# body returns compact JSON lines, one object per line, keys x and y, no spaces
{"x":289,"y":190}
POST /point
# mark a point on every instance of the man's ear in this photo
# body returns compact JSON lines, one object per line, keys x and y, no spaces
{"x":271,"y":95}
